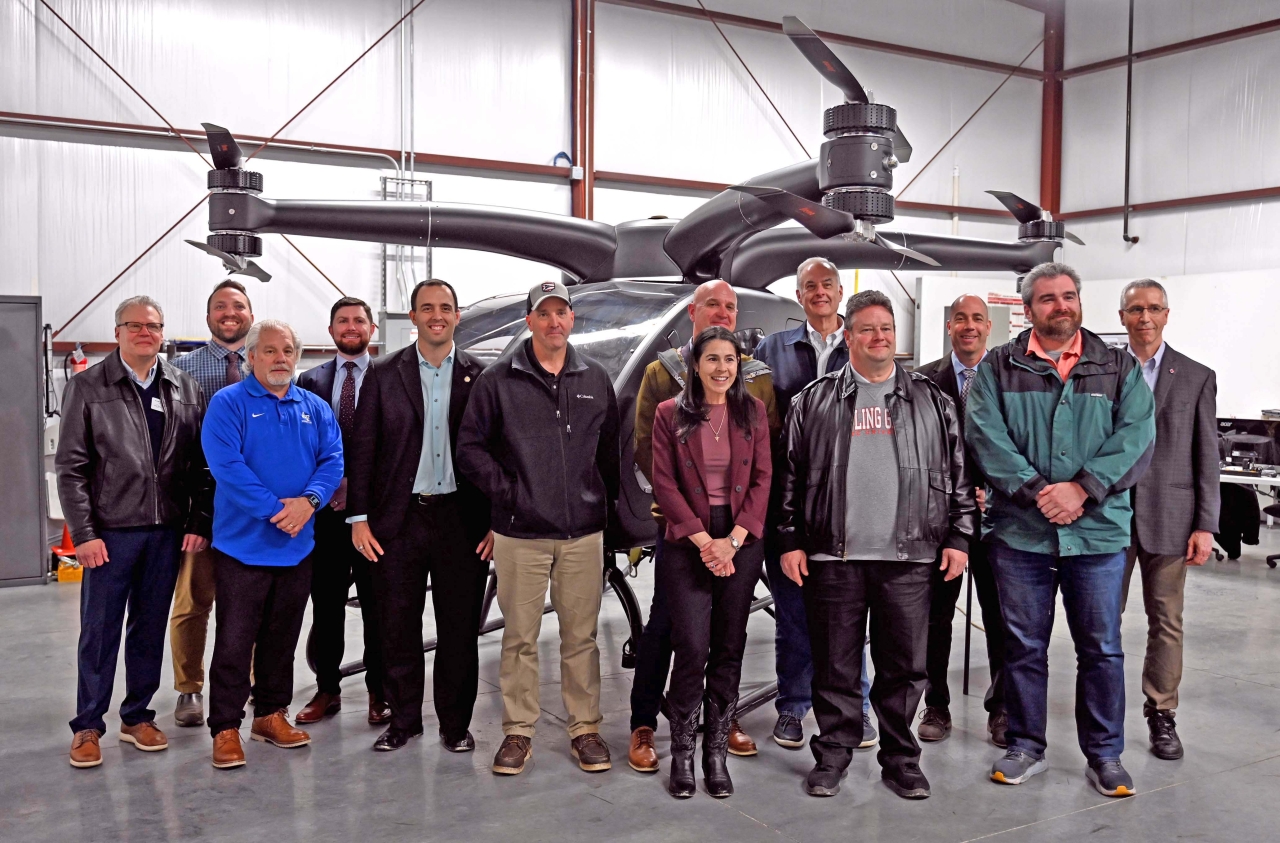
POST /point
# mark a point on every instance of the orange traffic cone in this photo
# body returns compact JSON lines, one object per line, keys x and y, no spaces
{"x":66,"y":548}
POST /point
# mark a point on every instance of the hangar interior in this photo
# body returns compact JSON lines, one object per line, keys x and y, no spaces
{"x":1147,"y":126}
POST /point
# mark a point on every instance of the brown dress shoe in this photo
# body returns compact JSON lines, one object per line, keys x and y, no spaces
{"x":85,"y":751}
{"x":145,"y":736}
{"x":641,"y":756}
{"x":935,"y":724}
{"x":591,"y":752}
{"x":740,"y":742}
{"x":227,"y":750}
{"x":321,"y":706}
{"x":379,"y":711}
{"x":511,"y":755}
{"x":275,"y":728}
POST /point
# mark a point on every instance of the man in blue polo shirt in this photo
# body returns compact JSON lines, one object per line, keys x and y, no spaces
{"x":276,"y":454}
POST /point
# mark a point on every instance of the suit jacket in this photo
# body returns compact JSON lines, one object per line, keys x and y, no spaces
{"x":1180,"y":491}
{"x":942,"y":374}
{"x":386,"y":443}
{"x":319,"y":379}
{"x":679,"y":474}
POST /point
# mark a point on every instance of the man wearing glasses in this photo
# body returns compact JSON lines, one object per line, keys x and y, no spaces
{"x":141,"y":417}
{"x":1175,"y":504}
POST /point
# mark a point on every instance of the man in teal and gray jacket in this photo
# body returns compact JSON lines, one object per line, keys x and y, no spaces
{"x":1062,"y":427}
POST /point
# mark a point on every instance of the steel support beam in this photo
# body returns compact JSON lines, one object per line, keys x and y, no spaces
{"x":1224,"y":37}
{"x":584,"y":24}
{"x":1051,"y":107}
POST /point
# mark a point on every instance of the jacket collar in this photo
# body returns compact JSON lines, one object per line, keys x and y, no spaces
{"x":115,"y":369}
{"x":573,"y":361}
{"x":901,"y":382}
{"x":1092,"y":350}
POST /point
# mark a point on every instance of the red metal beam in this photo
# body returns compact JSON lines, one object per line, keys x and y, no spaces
{"x":1051,"y":107}
{"x":834,"y":37}
{"x":583,"y":105}
{"x":1224,"y":37}
{"x":1261,"y":193}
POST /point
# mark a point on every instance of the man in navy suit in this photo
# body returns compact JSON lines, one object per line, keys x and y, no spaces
{"x":336,"y":563}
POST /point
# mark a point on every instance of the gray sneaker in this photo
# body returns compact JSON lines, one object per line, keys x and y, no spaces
{"x":1110,"y":778}
{"x":190,"y":710}
{"x":1016,"y":767}
{"x":870,"y":737}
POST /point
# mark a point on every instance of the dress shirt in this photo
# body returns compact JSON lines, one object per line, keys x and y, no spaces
{"x":362,"y":366}
{"x":824,"y":347}
{"x":151,"y":375}
{"x":435,"y":466}
{"x":208,"y":366}
{"x":1151,"y":368}
{"x":958,"y":368}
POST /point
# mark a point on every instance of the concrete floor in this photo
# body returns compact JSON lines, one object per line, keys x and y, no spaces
{"x":1227,"y":787}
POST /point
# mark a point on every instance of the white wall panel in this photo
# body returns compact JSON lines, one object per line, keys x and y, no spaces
{"x":1097,"y":30}
{"x":1093,"y":140}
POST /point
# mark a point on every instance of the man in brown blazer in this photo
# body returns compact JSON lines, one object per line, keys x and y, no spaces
{"x":1175,"y":504}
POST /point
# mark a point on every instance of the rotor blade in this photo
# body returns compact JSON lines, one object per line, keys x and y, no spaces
{"x":1022,"y":210}
{"x":823,"y":59}
{"x":231,"y":262}
{"x":903,"y":250}
{"x":901,"y":149}
{"x":253,"y":271}
{"x":1073,"y":238}
{"x":224,"y":149}
{"x":823,"y":221}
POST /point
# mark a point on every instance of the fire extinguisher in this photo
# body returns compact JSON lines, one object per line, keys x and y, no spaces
{"x":79,"y":362}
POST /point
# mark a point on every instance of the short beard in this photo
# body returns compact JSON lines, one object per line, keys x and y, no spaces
{"x":352,"y":349}
{"x":1051,"y":330}
{"x":279,"y":378}
{"x":240,"y":333}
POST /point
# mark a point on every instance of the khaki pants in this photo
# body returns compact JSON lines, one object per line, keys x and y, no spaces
{"x":575,"y":571}
{"x":1163,"y":579}
{"x":189,"y":621}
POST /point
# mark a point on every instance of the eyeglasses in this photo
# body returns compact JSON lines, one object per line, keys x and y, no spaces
{"x":136,"y":327}
{"x":1138,"y":310}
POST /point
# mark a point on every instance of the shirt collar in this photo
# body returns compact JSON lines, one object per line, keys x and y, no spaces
{"x":151,"y":374}
{"x":220,"y":351}
{"x":255,"y":388}
{"x":1155,"y":358}
{"x":362,"y":362}
{"x":1035,"y":349}
{"x":422,"y":361}
{"x":816,"y":339}
{"x":958,"y":367}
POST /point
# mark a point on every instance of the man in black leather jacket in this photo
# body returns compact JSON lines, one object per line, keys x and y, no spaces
{"x":136,"y":492}
{"x":875,"y":482}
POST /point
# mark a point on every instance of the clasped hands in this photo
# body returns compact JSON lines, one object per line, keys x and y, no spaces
{"x":717,"y":554}
{"x":1062,"y":503}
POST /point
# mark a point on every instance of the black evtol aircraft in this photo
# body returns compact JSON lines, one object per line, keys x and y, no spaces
{"x":628,"y":306}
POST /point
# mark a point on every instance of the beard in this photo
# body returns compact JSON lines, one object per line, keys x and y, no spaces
{"x":229,"y":334}
{"x":352,"y":348}
{"x":1059,"y":326}
{"x":279,"y":378}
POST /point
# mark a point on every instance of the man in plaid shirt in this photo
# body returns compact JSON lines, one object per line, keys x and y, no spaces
{"x":229,"y":316}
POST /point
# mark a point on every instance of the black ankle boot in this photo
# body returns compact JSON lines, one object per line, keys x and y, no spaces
{"x":715,"y":749}
{"x":684,"y":737}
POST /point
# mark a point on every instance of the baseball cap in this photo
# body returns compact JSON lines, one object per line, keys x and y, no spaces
{"x":547,"y":290}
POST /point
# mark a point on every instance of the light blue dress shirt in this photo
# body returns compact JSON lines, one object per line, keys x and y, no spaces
{"x":435,"y":466}
{"x":1150,"y":369}
{"x":362,"y":366}
{"x":959,"y":368}
{"x":151,"y":375}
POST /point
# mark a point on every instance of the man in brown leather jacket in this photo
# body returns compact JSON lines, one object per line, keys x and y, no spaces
{"x":714,"y":303}
{"x":136,"y":493}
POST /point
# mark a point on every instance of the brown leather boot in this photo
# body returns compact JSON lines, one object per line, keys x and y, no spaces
{"x":379,"y":711}
{"x":512,"y":755}
{"x":227,"y":750}
{"x":740,"y":742}
{"x":145,"y":736}
{"x":641,"y":755}
{"x":85,"y":751}
{"x":321,"y":706}
{"x":275,"y":728}
{"x":591,"y":752}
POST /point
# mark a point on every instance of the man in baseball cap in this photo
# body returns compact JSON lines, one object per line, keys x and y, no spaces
{"x":546,"y":290}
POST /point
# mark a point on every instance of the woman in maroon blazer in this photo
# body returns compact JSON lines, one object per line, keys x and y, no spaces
{"x":711,"y":472}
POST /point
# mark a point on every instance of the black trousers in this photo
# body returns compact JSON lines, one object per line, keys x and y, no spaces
{"x":335,"y":565}
{"x":942,"y":611}
{"x":432,"y":542}
{"x":258,"y":619}
{"x":708,"y":618}
{"x":838,"y":598}
{"x":653,"y":653}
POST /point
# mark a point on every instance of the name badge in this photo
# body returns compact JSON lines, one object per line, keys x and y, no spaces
{"x":156,"y":405}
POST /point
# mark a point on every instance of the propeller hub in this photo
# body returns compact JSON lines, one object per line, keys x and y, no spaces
{"x":1042,"y":230}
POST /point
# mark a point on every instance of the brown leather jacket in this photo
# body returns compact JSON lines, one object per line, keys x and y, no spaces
{"x":106,"y":479}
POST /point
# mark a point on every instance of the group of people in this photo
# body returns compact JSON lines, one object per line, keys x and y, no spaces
{"x":860,"y":491}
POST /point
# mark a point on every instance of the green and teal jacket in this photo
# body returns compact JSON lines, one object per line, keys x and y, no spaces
{"x":1026,"y":428}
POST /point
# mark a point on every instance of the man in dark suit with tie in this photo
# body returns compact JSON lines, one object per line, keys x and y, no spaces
{"x":968,"y":327}
{"x":1175,"y":504}
{"x":413,"y":515}
{"x":336,"y":563}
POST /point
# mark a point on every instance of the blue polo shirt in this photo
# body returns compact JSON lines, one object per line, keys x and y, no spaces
{"x":261,"y":449}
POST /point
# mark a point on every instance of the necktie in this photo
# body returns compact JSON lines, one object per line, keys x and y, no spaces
{"x":233,"y":367}
{"x":969,"y":375}
{"x":347,"y":400}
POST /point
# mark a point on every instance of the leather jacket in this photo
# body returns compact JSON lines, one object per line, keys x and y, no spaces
{"x":936,"y":504}
{"x":106,"y":478}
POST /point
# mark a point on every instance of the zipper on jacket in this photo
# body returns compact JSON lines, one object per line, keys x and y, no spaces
{"x":146,"y":431}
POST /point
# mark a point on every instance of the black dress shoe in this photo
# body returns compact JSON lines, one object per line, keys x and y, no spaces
{"x":394,"y":738}
{"x":1165,"y":742}
{"x":465,"y":743}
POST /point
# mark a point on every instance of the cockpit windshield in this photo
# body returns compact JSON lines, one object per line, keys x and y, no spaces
{"x":610,"y":321}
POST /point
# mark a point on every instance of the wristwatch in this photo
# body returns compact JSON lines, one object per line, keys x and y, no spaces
{"x":313,"y":499}
{"x":733,"y":540}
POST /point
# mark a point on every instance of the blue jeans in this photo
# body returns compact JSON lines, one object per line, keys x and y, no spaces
{"x":140,"y":574}
{"x":1091,"y":590}
{"x":792,"y":659}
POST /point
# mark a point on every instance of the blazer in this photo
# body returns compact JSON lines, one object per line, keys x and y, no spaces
{"x":1180,"y":491}
{"x":679,"y":480}
{"x":386,"y":442}
{"x":320,"y":380}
